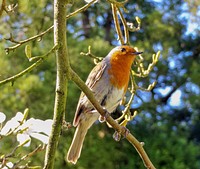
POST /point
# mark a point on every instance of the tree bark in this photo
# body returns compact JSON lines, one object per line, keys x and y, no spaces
{"x":61,"y":82}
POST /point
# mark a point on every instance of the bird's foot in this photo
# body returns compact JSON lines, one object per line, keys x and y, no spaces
{"x":118,"y":134}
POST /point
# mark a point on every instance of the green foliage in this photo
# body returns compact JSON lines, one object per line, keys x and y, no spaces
{"x":171,"y":134}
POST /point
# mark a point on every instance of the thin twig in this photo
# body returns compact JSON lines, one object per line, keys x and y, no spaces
{"x":26,"y":40}
{"x":13,"y":78}
{"x":19,"y":43}
{"x":120,"y":4}
{"x":126,"y":32}
{"x":117,"y":25}
{"x":37,"y":149}
{"x":80,"y":9}
{"x":15,"y":149}
{"x":141,"y":69}
{"x":133,"y":28}
{"x":90,"y":54}
{"x":30,"y":68}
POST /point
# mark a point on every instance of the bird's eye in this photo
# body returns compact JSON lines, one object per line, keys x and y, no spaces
{"x":123,"y":50}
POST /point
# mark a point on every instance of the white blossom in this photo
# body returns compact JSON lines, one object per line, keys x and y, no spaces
{"x":2,"y":117}
{"x":35,"y":128}
{"x":27,"y":129}
{"x":7,"y":166}
{"x":12,"y":124}
{"x":88,"y":1}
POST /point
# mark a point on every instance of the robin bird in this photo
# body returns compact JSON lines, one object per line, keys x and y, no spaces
{"x":108,"y":81}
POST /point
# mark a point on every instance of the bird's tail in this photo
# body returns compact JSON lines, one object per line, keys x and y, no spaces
{"x":77,"y":143}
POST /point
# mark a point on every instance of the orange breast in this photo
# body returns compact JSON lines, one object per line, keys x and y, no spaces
{"x":120,"y":71}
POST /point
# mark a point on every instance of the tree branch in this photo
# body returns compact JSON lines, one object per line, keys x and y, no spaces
{"x":63,"y":66}
{"x":30,"y":68}
{"x":117,"y":25}
{"x":15,"y":77}
{"x":19,"y":43}
{"x":120,"y":4}
{"x":3,"y":7}
{"x":120,"y":129}
{"x":25,"y":157}
{"x":83,"y":8}
{"x":25,"y":41}
{"x":126,"y":32}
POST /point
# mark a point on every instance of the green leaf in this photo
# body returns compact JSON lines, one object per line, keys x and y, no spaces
{"x":28,"y":51}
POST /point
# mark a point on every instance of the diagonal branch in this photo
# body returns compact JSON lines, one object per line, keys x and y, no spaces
{"x":19,"y":43}
{"x":30,"y":68}
{"x":80,"y":9}
{"x":121,"y":130}
{"x":26,"y":40}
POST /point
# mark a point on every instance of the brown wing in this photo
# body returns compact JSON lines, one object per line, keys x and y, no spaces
{"x":92,"y":79}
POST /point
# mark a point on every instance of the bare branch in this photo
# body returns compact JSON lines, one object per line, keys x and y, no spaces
{"x":30,"y":68}
{"x":3,"y":7}
{"x":19,"y":43}
{"x":117,"y":25}
{"x":90,"y":54}
{"x":36,"y":150}
{"x":141,"y":69}
{"x":126,"y":31}
{"x":120,"y":4}
{"x":80,"y":9}
{"x":62,"y":77}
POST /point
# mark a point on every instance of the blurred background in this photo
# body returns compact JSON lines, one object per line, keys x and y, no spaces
{"x":168,"y":119}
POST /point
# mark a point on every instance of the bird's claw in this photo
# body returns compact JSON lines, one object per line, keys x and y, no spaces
{"x":116,"y":136}
{"x":124,"y":132}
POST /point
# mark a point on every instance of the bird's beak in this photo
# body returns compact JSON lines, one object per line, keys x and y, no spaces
{"x":137,"y":53}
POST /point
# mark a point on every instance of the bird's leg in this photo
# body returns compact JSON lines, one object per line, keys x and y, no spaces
{"x":124,"y":132}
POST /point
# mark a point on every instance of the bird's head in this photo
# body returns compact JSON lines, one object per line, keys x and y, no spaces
{"x":124,"y":52}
